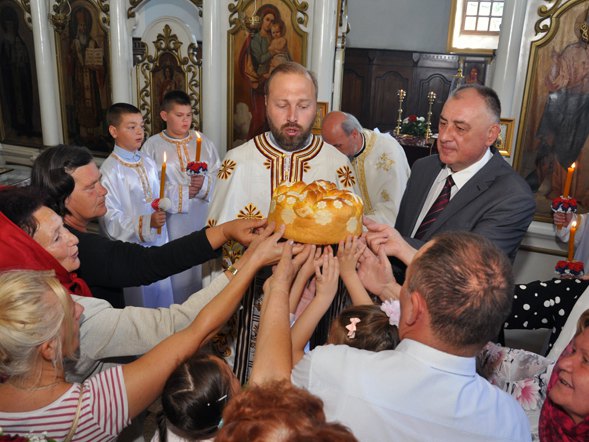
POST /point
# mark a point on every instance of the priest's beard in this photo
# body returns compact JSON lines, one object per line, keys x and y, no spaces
{"x":289,"y":143}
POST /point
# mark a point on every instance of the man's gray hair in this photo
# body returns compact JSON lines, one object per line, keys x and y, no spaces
{"x":350,"y":123}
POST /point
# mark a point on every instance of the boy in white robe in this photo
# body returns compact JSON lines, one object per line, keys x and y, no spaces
{"x":132,"y":183}
{"x":190,"y":193}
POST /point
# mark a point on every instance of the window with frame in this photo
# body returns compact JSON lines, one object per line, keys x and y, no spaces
{"x":482,"y":17}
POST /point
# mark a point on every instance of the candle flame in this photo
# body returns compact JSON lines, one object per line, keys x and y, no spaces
{"x":573,"y":165}
{"x":164,"y":157}
{"x":574,"y":225}
{"x":197,"y":135}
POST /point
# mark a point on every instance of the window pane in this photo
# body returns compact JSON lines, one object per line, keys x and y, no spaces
{"x":483,"y":24}
{"x":495,"y":24}
{"x":471,"y":8}
{"x":485,"y":8}
{"x":497,"y":10}
{"x":470,"y":23}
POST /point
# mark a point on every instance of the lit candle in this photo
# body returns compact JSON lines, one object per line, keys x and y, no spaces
{"x":162,"y":185}
{"x":163,"y":177}
{"x":198,"y":143}
{"x":569,"y":180}
{"x":572,"y":240}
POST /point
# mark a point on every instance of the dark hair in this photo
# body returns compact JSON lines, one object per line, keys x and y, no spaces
{"x":52,"y":173}
{"x":290,"y":67}
{"x":194,"y":397}
{"x":278,"y":411}
{"x":373,"y":332}
{"x":175,"y":97}
{"x":467,"y":284}
{"x":19,"y":204}
{"x":115,"y":113}
{"x":486,"y":93}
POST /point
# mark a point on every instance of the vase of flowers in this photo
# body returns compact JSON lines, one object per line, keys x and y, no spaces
{"x":414,"y":125}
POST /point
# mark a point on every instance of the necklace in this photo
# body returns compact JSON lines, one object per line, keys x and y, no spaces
{"x":42,"y":387}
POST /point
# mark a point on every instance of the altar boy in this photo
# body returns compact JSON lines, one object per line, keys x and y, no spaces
{"x":131,"y":179}
{"x":189,"y":188}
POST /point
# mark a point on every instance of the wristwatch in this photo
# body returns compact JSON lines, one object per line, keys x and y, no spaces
{"x":232,"y":270}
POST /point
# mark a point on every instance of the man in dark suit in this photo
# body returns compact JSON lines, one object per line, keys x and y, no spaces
{"x":468,"y":186}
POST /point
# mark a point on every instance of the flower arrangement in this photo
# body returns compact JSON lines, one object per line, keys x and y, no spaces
{"x":414,"y":125}
{"x":196,"y":168}
{"x":570,"y":268}
{"x":566,"y":205}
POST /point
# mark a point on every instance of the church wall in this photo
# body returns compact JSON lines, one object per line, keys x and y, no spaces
{"x":416,"y":25}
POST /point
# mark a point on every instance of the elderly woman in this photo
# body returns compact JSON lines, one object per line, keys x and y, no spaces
{"x":105,"y":332}
{"x":70,"y":180}
{"x":565,"y":413}
{"x":39,"y":327}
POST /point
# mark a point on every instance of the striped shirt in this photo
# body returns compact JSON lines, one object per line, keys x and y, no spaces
{"x":104,"y":413}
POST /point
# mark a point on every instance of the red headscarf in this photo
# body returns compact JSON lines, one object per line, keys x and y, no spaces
{"x":18,"y":251}
{"x":555,"y":424}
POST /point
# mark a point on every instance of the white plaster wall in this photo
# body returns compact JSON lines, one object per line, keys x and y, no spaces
{"x":414,"y":25}
{"x":183,"y":10}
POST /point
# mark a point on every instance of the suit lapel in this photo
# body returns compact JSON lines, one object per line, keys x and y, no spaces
{"x":422,"y":186}
{"x":478,"y":184}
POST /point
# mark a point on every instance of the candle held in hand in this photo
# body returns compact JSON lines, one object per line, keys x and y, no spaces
{"x":162,"y":185}
{"x":572,"y":240}
{"x":569,"y":180}
{"x":198,"y":145}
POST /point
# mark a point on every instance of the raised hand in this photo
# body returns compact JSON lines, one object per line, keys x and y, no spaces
{"x":327,"y":275}
{"x":376,"y":274}
{"x":348,"y":253}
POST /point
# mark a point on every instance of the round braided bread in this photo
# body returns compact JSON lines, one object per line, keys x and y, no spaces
{"x":316,"y":213}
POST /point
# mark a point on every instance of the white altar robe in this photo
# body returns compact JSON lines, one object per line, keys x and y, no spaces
{"x":187,"y":215}
{"x":247,"y":177}
{"x":382,"y":171}
{"x":132,"y":186}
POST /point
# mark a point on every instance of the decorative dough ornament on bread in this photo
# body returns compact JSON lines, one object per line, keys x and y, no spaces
{"x":316,"y":213}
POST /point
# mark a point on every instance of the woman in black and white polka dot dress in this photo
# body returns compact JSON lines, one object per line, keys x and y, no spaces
{"x":544,"y":304}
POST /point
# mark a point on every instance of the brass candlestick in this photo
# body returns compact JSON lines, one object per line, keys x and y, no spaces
{"x":431,"y":97}
{"x":401,"y":93}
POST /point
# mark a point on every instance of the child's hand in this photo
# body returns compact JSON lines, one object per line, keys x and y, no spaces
{"x":308,"y":267}
{"x":196,"y":182}
{"x":562,"y":219}
{"x":376,"y":274}
{"x":348,"y":253}
{"x":158,"y":219}
{"x":327,"y":275}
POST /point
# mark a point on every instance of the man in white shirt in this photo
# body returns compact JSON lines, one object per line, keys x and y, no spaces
{"x":457,"y":293}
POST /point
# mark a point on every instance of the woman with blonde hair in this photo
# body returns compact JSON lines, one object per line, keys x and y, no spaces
{"x":39,"y":328}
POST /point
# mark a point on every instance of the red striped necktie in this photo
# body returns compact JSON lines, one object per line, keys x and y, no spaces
{"x":434,"y":211}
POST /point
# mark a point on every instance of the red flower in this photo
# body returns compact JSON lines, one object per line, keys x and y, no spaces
{"x":412,"y":118}
{"x":196,"y":167}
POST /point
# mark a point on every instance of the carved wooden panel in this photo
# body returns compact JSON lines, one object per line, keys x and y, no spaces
{"x":372,"y":78}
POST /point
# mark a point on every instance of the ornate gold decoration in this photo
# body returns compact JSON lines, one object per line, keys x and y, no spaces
{"x":25,"y":5}
{"x":104,"y":7}
{"x":168,"y":43}
{"x":250,"y":212}
{"x":136,"y":3}
{"x":268,"y":163}
{"x":385,"y":195}
{"x":546,"y":12}
{"x":384,"y":162}
{"x":346,"y":177}
{"x":431,"y":97}
{"x":238,"y":18}
{"x":226,"y":169}
{"x":62,"y":10}
{"x":401,"y":94}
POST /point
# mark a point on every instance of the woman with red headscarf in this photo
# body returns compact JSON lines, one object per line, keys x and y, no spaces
{"x":565,"y":413}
